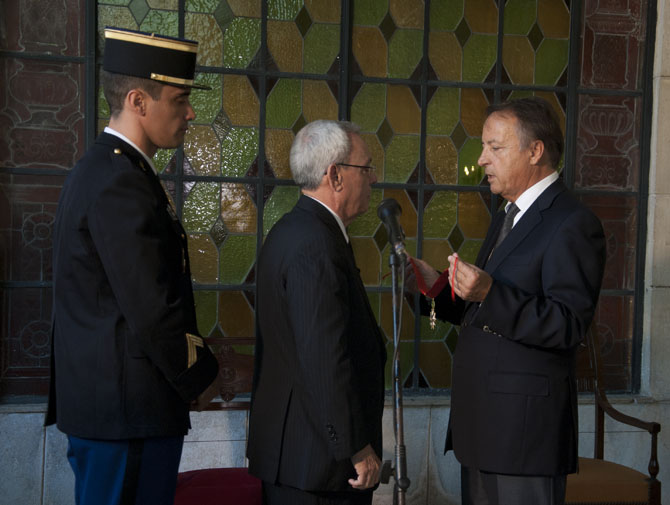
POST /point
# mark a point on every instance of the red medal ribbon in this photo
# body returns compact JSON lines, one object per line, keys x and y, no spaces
{"x":439,"y":285}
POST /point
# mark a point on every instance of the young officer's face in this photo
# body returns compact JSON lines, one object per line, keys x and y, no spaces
{"x":167,"y":118}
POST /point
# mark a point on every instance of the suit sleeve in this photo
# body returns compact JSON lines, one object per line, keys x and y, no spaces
{"x":558,"y":315}
{"x":317,"y":285}
{"x":142,"y":259}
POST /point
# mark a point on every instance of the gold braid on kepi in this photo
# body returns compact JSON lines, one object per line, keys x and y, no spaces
{"x":151,"y":56}
{"x":193,"y":341}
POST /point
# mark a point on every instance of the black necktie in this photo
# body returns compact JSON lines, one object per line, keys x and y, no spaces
{"x":512,"y":211}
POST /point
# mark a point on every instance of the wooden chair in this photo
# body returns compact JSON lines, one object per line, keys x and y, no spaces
{"x":224,"y":486}
{"x":599,"y":481}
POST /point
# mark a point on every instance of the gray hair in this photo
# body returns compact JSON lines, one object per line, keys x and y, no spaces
{"x":318,"y":145}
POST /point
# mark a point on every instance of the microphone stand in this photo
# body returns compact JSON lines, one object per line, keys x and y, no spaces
{"x":396,"y":261}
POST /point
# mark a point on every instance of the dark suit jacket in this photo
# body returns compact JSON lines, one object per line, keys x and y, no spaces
{"x":318,"y":393}
{"x":514,"y":401}
{"x":123,"y":304}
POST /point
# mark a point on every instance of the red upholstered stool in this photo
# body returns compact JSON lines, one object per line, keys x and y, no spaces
{"x":218,"y":486}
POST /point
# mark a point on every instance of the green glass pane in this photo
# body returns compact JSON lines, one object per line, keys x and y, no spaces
{"x":515,"y":95}
{"x":439,"y":333}
{"x":282,"y":200}
{"x":479,"y":55}
{"x":103,"y":106}
{"x":369,"y":107}
{"x":405,"y":50}
{"x":241,"y":42}
{"x":469,"y":172}
{"x":120,"y":17}
{"x":366,"y":224}
{"x":284,"y":9}
{"x":116,"y":2}
{"x":201,"y":207}
{"x":402,"y":155}
{"x":163,"y":22}
{"x":205,"y":310}
{"x":446,"y":14}
{"x":406,"y":356}
{"x":440,"y":215}
{"x":370,"y":12}
{"x":551,"y":60}
{"x":244,"y":349}
{"x":443,"y":111}
{"x":207,"y":104}
{"x":207,"y":6}
{"x":162,"y":158}
{"x":240,"y":149}
{"x":322,"y":45}
{"x":469,"y":250}
{"x":238,"y":254}
{"x":283,"y":104}
{"x":520,"y":15}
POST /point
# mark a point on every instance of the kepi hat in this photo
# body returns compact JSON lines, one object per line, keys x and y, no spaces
{"x":151,"y":56}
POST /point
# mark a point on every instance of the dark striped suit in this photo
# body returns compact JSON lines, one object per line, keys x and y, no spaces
{"x":318,"y":394}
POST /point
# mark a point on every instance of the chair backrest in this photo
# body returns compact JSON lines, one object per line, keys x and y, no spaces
{"x":589,"y":380}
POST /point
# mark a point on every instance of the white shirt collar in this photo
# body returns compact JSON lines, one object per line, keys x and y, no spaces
{"x":337,"y":218}
{"x":528,"y":197}
{"x":126,"y":139}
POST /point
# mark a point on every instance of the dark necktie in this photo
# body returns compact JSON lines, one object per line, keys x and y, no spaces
{"x":512,"y":211}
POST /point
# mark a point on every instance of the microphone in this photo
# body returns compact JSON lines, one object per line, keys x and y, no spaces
{"x":388,"y":212}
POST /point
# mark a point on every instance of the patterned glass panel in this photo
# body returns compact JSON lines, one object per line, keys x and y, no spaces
{"x":608,"y":149}
{"x":462,"y":39}
{"x":421,"y":116}
{"x":535,"y":43}
{"x":42,"y":133}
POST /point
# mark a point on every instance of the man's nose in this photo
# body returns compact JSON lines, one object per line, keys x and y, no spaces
{"x":190,"y":113}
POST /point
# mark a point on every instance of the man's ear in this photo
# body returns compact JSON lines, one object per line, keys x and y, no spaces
{"x":334,"y":177}
{"x":536,"y":151}
{"x":136,"y":101}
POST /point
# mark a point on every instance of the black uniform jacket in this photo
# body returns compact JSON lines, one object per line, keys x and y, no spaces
{"x":127,"y":359}
{"x":318,"y":394}
{"x":514,"y":400}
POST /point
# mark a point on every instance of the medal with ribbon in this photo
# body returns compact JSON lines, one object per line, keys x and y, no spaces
{"x":435,"y":289}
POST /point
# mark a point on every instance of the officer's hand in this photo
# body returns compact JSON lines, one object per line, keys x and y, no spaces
{"x":207,"y":395}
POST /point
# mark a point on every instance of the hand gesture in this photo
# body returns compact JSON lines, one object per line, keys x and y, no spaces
{"x":468,"y":281}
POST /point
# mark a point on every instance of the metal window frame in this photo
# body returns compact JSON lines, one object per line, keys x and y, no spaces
{"x":344,"y":78}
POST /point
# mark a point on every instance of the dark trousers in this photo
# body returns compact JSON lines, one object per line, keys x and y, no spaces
{"x":276,"y":494}
{"x":482,"y":488}
{"x":125,"y":472}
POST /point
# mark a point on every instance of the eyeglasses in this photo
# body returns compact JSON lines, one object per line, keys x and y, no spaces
{"x":366,"y":169}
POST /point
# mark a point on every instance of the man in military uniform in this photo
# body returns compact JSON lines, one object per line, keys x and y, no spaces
{"x":127,"y":360}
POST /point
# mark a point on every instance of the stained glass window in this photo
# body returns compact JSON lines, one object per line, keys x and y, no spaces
{"x":416,"y":75}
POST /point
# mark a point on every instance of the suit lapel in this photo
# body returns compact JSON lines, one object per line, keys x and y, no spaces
{"x":310,"y":205}
{"x":530,"y":219}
